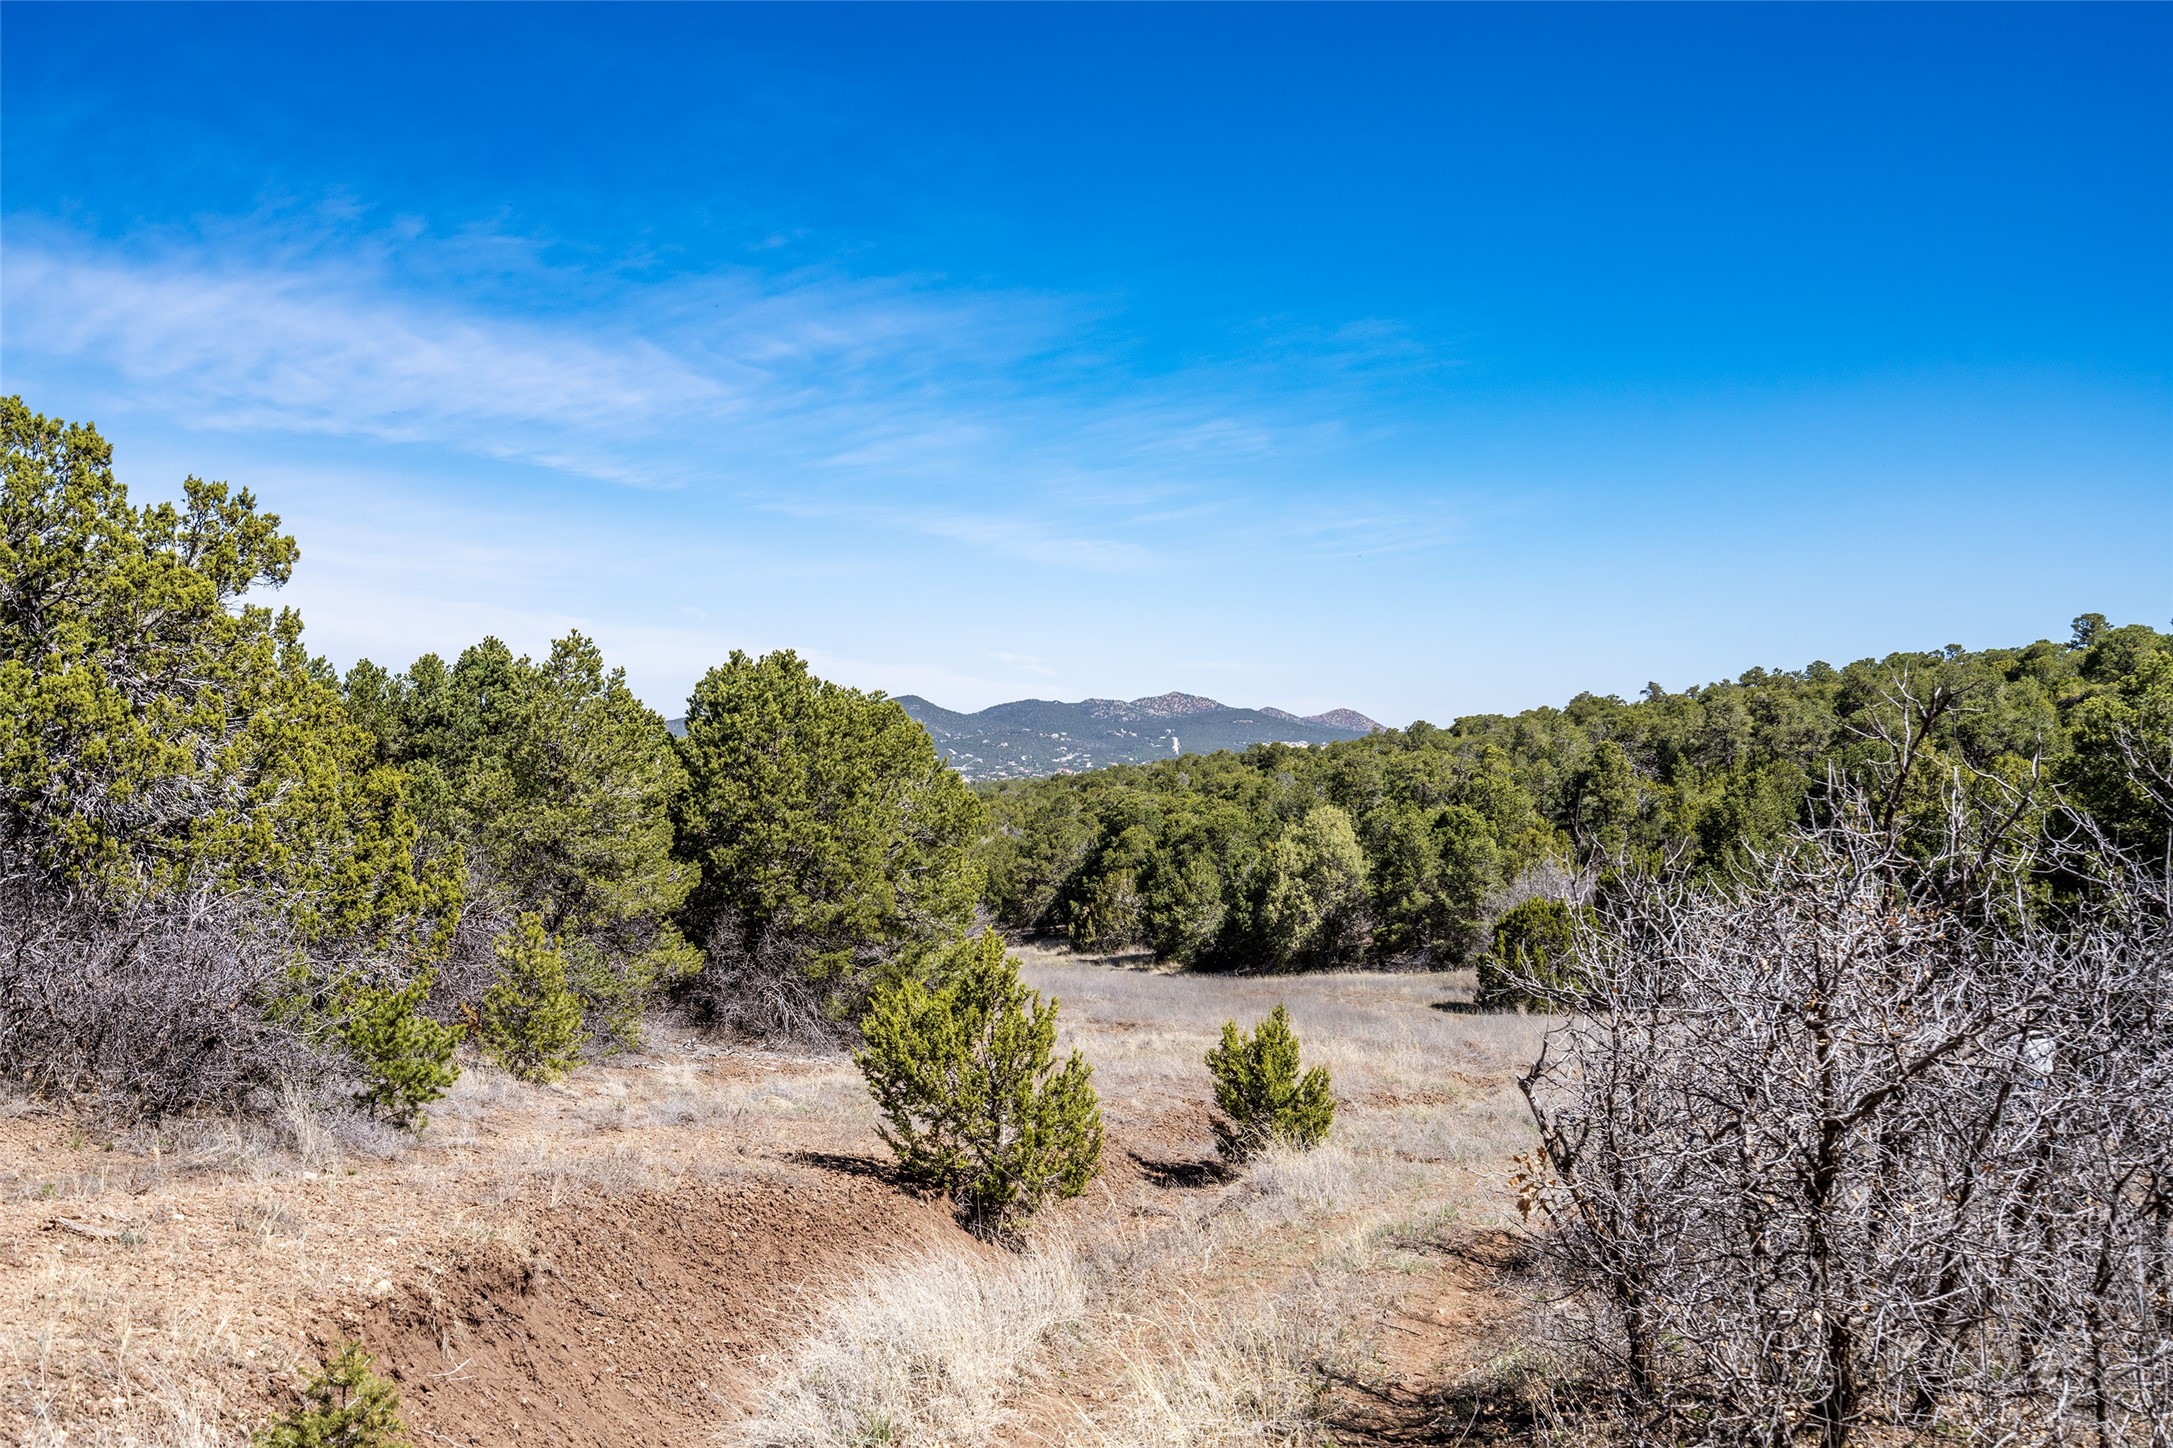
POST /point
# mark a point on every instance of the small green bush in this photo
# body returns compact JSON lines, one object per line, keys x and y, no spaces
{"x":406,"y":1058}
{"x":973,"y":1101}
{"x":1532,"y":958}
{"x":530,"y":1021}
{"x":345,"y":1406}
{"x":1259,"y":1094}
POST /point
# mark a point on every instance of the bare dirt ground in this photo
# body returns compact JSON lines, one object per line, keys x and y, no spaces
{"x":699,"y":1243}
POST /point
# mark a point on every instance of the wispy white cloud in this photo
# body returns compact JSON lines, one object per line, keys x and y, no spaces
{"x":1026,"y":663}
{"x":319,"y":352}
{"x":1017,"y":537}
{"x":990,"y":419}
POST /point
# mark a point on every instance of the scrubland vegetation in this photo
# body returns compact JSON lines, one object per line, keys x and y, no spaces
{"x":1782,"y":1061}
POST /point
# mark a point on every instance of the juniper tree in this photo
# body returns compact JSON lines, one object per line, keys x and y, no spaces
{"x":552,"y":785}
{"x":175,"y":767}
{"x":835,"y":847}
{"x":1313,"y":903}
{"x":973,"y":1101}
{"x":1531,"y":958}
{"x":530,"y":1021}
{"x":1259,"y":1095}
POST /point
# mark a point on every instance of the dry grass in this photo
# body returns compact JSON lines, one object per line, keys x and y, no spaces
{"x":1183,"y":1308}
{"x":924,"y":1352}
{"x":1224,"y":1316}
{"x":231,"y":1237}
{"x":1250,"y":1373}
{"x":162,"y":1419}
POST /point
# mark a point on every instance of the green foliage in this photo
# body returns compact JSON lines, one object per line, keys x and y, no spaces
{"x":1110,"y":914}
{"x":2122,"y":768}
{"x":347,"y":1405}
{"x":1210,"y":860}
{"x":1431,"y":873}
{"x":553,"y":786}
{"x":530,"y":1021}
{"x":1185,"y":907}
{"x":835,"y":848}
{"x":162,"y":740}
{"x":1042,"y":839}
{"x":406,"y":1057}
{"x":972,"y":1100}
{"x":1259,"y":1095}
{"x":157,"y":734}
{"x":1313,"y":894}
{"x":1531,"y":957}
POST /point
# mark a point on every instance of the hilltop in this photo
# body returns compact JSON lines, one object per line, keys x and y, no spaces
{"x":1031,"y":737}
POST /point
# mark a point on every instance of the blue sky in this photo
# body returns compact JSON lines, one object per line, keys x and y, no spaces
{"x":1423,"y":360}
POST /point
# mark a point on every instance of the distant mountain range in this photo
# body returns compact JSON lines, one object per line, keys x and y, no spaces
{"x":1043,"y":736}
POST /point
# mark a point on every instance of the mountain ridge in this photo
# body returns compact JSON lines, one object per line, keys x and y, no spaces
{"x":1025,"y":738}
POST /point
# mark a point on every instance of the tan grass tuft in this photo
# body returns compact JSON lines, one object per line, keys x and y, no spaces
{"x":923,"y":1353}
{"x":1254,"y":1373}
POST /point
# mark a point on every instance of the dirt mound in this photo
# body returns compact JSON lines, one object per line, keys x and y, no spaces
{"x":660,"y":1310}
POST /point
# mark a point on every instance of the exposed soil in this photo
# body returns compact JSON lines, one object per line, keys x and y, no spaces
{"x":657,"y":1310}
{"x":1431,"y":1334}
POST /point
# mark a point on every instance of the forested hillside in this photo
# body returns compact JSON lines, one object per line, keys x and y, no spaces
{"x":1030,"y":737}
{"x":1410,"y":844}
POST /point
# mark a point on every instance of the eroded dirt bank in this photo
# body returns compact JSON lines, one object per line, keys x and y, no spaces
{"x":657,"y":1309}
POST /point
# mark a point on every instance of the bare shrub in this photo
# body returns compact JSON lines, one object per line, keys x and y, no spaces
{"x":150,"y":1006}
{"x":751,"y":987}
{"x":154,"y":1004}
{"x":1548,"y":878}
{"x":1877,"y":1132}
{"x":924,"y":1353}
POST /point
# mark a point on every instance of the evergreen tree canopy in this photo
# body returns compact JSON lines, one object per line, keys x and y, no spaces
{"x":835,"y":848}
{"x":1219,"y":860}
{"x":972,"y":1098}
{"x":1261,"y":1099}
{"x":177,"y":774}
{"x":554,"y":786}
{"x":158,"y":734}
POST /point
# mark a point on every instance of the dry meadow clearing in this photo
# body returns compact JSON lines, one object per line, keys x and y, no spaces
{"x":701,"y":1244}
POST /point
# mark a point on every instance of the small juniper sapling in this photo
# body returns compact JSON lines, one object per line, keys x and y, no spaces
{"x":530,"y":1021}
{"x":1259,"y":1095}
{"x":345,"y":1406}
{"x":972,"y":1098}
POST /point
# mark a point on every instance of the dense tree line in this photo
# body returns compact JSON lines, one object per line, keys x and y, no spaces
{"x":1414,"y":844}
{"x":226,"y":870}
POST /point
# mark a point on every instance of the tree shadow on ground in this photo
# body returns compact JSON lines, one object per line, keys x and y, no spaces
{"x":860,"y":1166}
{"x":1471,"y":1008}
{"x":1480,"y":1415}
{"x":1182,"y":1174}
